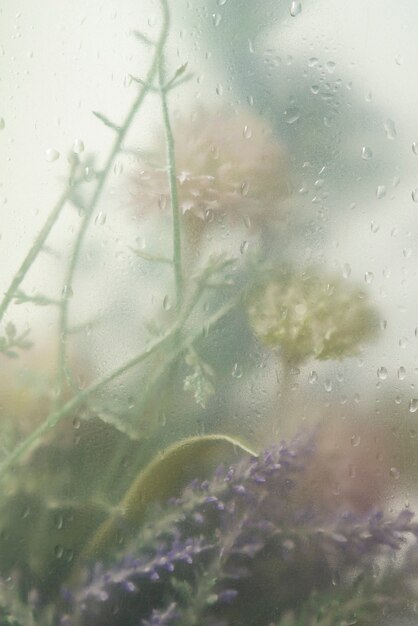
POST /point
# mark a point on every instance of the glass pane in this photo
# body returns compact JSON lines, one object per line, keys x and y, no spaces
{"x":208,"y":322}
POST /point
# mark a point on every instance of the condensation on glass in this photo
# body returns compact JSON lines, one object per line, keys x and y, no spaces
{"x":208,"y":313}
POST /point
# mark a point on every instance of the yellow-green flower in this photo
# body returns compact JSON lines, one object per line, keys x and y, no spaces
{"x":309,"y":315}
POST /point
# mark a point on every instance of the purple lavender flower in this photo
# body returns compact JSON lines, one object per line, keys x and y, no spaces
{"x":240,"y":549}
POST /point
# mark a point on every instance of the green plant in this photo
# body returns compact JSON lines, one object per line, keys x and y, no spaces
{"x":82,"y":465}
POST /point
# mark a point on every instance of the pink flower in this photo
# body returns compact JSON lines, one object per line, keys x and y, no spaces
{"x":226,"y":162}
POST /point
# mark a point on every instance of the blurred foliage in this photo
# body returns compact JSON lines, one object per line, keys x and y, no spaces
{"x":90,"y":445}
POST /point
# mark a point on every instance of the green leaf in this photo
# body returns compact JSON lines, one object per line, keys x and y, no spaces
{"x":143,"y":38}
{"x":180,"y":70}
{"x":166,"y":476}
{"x":106,"y":121}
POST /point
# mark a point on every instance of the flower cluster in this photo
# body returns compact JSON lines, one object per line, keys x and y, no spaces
{"x":226,"y":162}
{"x":241,"y":549}
{"x":311,"y":316}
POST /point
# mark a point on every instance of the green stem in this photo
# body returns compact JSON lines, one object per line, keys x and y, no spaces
{"x":73,"y":404}
{"x":56,"y":416}
{"x":121,"y":133}
{"x":172,"y":179}
{"x":33,"y":252}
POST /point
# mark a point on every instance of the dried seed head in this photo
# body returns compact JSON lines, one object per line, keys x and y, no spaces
{"x":311,"y":316}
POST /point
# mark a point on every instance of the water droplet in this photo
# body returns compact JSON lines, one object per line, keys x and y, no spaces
{"x":315,"y":89}
{"x":216,"y":18}
{"x":69,"y":555}
{"x":415,"y":147}
{"x":414,"y":194}
{"x":403,"y":342}
{"x":247,"y":132}
{"x":25,"y":512}
{"x":313,"y":61}
{"x":328,"y":385}
{"x":413,"y":405}
{"x":118,"y":168}
{"x":51,"y":155}
{"x":355,"y":440}
{"x":330,"y":66}
{"x":237,"y":371}
{"x":89,"y":174}
{"x":2,"y":123}
{"x":295,"y":8}
{"x":100,"y":219}
{"x":209,"y":216}
{"x":366,"y":153}
{"x":219,"y":89}
{"x":167,"y":303}
{"x":401,"y":373}
{"x":67,"y":291}
{"x":244,"y":247}
{"x":245,"y":187}
{"x":127,"y":80}
{"x":59,"y":521}
{"x":368,"y":277}
{"x":394,"y":473}
{"x":78,"y":146}
{"x":76,"y":423}
{"x":313,"y":377}
{"x":58,"y":551}
{"x":221,"y":2}
{"x":247,"y":221}
{"x":292,"y":114}
{"x":390,"y":129}
{"x":382,"y":373}
{"x":380,"y":192}
{"x":162,"y":201}
{"x":346,"y":270}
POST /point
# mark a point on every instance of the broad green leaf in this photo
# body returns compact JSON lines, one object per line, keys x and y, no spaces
{"x":164,"y":477}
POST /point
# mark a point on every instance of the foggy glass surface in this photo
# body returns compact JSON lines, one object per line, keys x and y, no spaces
{"x":208,"y":248}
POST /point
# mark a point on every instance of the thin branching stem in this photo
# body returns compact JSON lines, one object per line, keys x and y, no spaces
{"x":33,"y":252}
{"x":89,"y":210}
{"x":173,"y":337}
{"x":54,"y":418}
{"x":174,"y":333}
{"x":172,"y":179}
